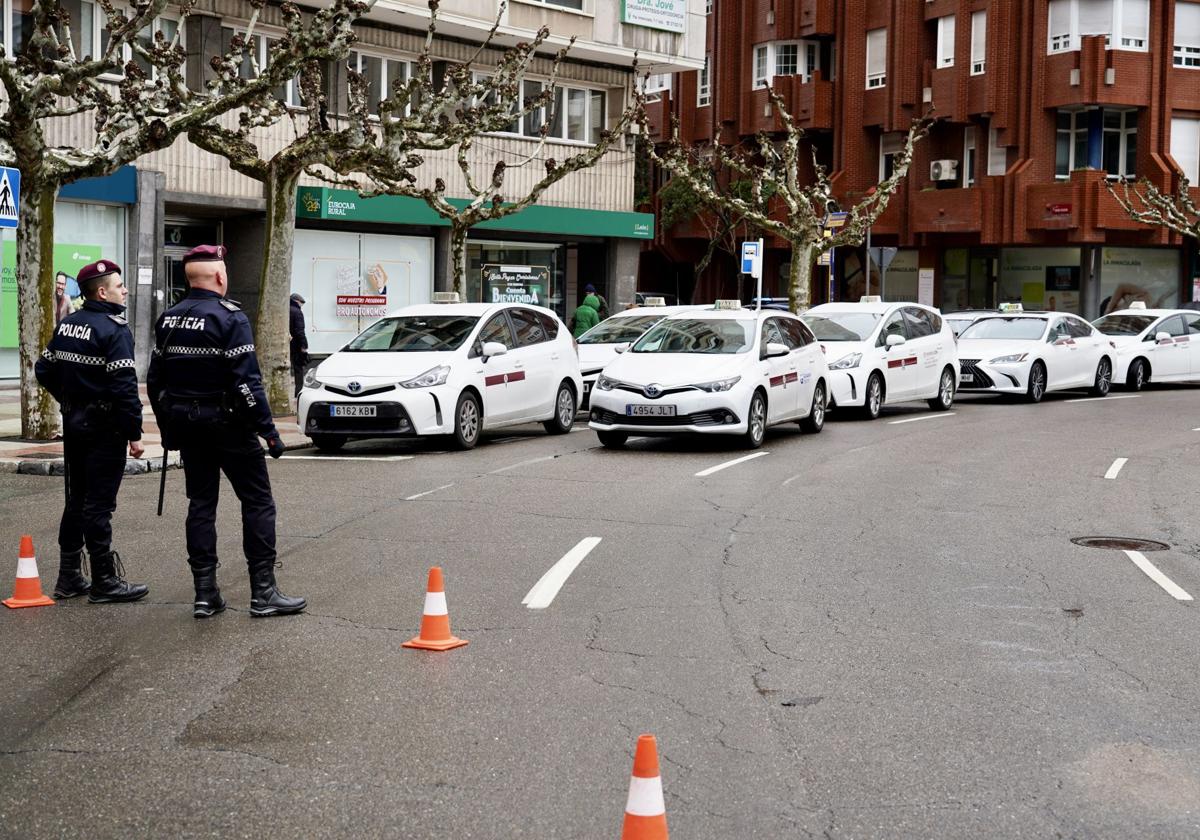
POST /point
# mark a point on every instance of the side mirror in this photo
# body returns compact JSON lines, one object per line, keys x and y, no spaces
{"x":1163,"y":336}
{"x":621,"y":348}
{"x":895,"y":340}
{"x":493,"y":348}
{"x":774,"y":349}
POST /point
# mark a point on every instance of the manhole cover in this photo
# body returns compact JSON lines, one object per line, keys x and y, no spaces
{"x":1121,"y":543}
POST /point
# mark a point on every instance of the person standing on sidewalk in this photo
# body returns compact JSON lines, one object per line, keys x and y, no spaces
{"x":299,"y":341}
{"x":206,"y":390}
{"x":88,"y":367}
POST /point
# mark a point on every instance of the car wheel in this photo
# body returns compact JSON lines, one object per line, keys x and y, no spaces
{"x":1136,"y":380}
{"x":815,"y":421}
{"x":874,"y":399}
{"x":1037,"y":383}
{"x":756,"y":421}
{"x":467,"y":421}
{"x":564,"y":411}
{"x":945,"y":397}
{"x":612,"y":440}
{"x":328,"y":443}
{"x":1103,"y":378}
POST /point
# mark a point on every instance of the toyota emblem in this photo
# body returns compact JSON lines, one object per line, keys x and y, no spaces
{"x":653,"y":391}
{"x":354,"y":387}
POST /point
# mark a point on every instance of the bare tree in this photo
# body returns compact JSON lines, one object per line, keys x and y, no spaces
{"x":783,"y":202}
{"x":1146,"y":203}
{"x":146,"y":110}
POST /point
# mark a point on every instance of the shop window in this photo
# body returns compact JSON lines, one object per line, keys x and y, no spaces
{"x":1120,"y":143}
{"x":978,"y":42}
{"x":876,"y":58}
{"x":1185,"y":146}
{"x":945,"y":41}
{"x":1070,"y":150}
{"x":1124,"y":23}
{"x":1150,"y":275}
{"x":1187,"y":35}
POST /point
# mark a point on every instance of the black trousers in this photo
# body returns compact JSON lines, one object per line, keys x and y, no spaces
{"x":95,"y":464}
{"x":235,"y":451}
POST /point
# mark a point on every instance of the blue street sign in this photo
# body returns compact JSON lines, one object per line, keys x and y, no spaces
{"x":749,"y":257}
{"x":10,"y":196}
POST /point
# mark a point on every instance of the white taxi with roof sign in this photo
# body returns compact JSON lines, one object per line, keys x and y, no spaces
{"x":886,"y":353}
{"x":445,"y":368}
{"x":721,"y":370}
{"x":612,"y":336}
{"x":1153,"y":345}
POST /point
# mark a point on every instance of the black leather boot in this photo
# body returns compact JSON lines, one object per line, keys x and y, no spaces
{"x":265,"y":597}
{"x":108,"y":585}
{"x":71,"y":582}
{"x":208,"y":597}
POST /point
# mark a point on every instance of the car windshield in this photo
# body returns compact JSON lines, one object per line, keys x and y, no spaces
{"x":1123,"y":324}
{"x":414,"y":334}
{"x":1027,"y":329}
{"x":842,"y":326}
{"x":619,"y":330}
{"x":698,"y":335}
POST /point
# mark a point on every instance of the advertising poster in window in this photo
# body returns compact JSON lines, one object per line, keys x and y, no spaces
{"x":1149,"y":275}
{"x":68,"y":259}
{"x":516,"y":283}
{"x":1062,"y":288}
{"x":1026,"y":275}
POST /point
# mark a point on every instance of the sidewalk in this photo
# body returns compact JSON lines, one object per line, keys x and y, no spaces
{"x":30,"y":458}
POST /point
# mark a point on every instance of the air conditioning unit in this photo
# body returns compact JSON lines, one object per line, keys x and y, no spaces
{"x":943,"y":170}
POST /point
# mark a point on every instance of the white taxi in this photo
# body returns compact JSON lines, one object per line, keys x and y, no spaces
{"x":605,"y":341}
{"x":1031,"y":353}
{"x":445,"y":369}
{"x":723,"y":370}
{"x":886,"y":353}
{"x":1153,"y":345}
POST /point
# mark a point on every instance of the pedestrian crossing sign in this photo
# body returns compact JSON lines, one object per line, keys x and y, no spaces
{"x":10,"y":194}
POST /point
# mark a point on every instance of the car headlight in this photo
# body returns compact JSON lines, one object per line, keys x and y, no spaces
{"x":604,"y":383}
{"x":1009,"y":360}
{"x":310,"y":379}
{"x":719,"y":385}
{"x":847,"y":362}
{"x":431,"y":377}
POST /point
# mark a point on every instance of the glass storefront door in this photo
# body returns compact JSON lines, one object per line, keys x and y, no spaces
{"x":518,"y":271}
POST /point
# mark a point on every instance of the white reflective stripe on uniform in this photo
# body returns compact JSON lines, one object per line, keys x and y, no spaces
{"x":435,"y":603}
{"x":183,"y":350}
{"x":645,"y":797}
{"x":240,"y":351}
{"x":64,"y":356}
{"x":120,"y":363}
{"x":27,"y":567}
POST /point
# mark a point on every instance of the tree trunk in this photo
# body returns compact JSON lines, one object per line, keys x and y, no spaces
{"x":271,"y":333}
{"x":35,"y":292}
{"x":458,"y":258}
{"x":800,"y":277}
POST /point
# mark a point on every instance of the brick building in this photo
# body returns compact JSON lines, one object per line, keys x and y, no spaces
{"x":1039,"y":104}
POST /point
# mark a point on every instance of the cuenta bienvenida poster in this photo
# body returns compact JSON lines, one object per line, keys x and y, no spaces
{"x":68,"y":259}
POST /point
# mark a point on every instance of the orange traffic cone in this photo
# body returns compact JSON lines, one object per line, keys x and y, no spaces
{"x":645,"y":811}
{"x":28,"y":590}
{"x":435,"y":622}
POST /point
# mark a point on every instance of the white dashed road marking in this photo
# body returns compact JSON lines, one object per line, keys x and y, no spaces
{"x":1158,"y":577}
{"x":729,"y":464}
{"x":523,"y":464}
{"x":427,"y":492}
{"x":543,"y":592}
{"x":1115,"y":469}
{"x":922,"y":417}
{"x":1110,"y":397}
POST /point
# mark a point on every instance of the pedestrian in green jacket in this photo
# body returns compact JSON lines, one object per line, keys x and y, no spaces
{"x":587,"y":315}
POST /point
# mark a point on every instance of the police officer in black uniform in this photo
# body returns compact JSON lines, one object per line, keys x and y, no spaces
{"x":206,"y":391}
{"x":88,"y":367}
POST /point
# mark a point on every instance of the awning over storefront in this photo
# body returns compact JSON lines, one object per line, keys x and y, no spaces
{"x":117,"y":188}
{"x":348,"y":206}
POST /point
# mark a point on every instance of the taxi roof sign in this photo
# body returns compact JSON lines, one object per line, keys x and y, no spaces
{"x":1137,"y":304}
{"x":871,"y":299}
{"x":727,"y":304}
{"x":655,"y":301}
{"x":445,"y":297}
{"x":1011,"y":307}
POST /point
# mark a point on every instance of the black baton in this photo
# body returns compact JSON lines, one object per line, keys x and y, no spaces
{"x":162,"y":482}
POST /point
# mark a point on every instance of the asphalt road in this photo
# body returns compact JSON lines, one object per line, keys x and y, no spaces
{"x":880,"y":631}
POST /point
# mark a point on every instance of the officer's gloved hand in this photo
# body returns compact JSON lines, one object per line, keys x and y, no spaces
{"x":275,"y":446}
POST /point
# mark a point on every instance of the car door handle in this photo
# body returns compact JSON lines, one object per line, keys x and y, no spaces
{"x":518,"y":365}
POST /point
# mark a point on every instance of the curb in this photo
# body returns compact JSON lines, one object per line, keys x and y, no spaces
{"x":133,"y":466}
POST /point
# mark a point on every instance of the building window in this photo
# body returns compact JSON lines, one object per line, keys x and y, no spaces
{"x":708,"y":4}
{"x":945,"y":41}
{"x":1124,"y":23}
{"x":1185,"y":146}
{"x":704,"y":88}
{"x":978,"y":43}
{"x":655,"y":85}
{"x":1120,"y":143}
{"x":1187,"y":35}
{"x":566,"y":4}
{"x":968,"y":168}
{"x":1071,"y":146}
{"x":785,"y":58}
{"x":997,"y":163}
{"x":876,"y":58}
{"x":890,"y":145}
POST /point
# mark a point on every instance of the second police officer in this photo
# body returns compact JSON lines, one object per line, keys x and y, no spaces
{"x":206,"y":390}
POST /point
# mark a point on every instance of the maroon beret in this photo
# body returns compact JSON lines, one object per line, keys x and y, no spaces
{"x":94,"y":271}
{"x":205,"y":253}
